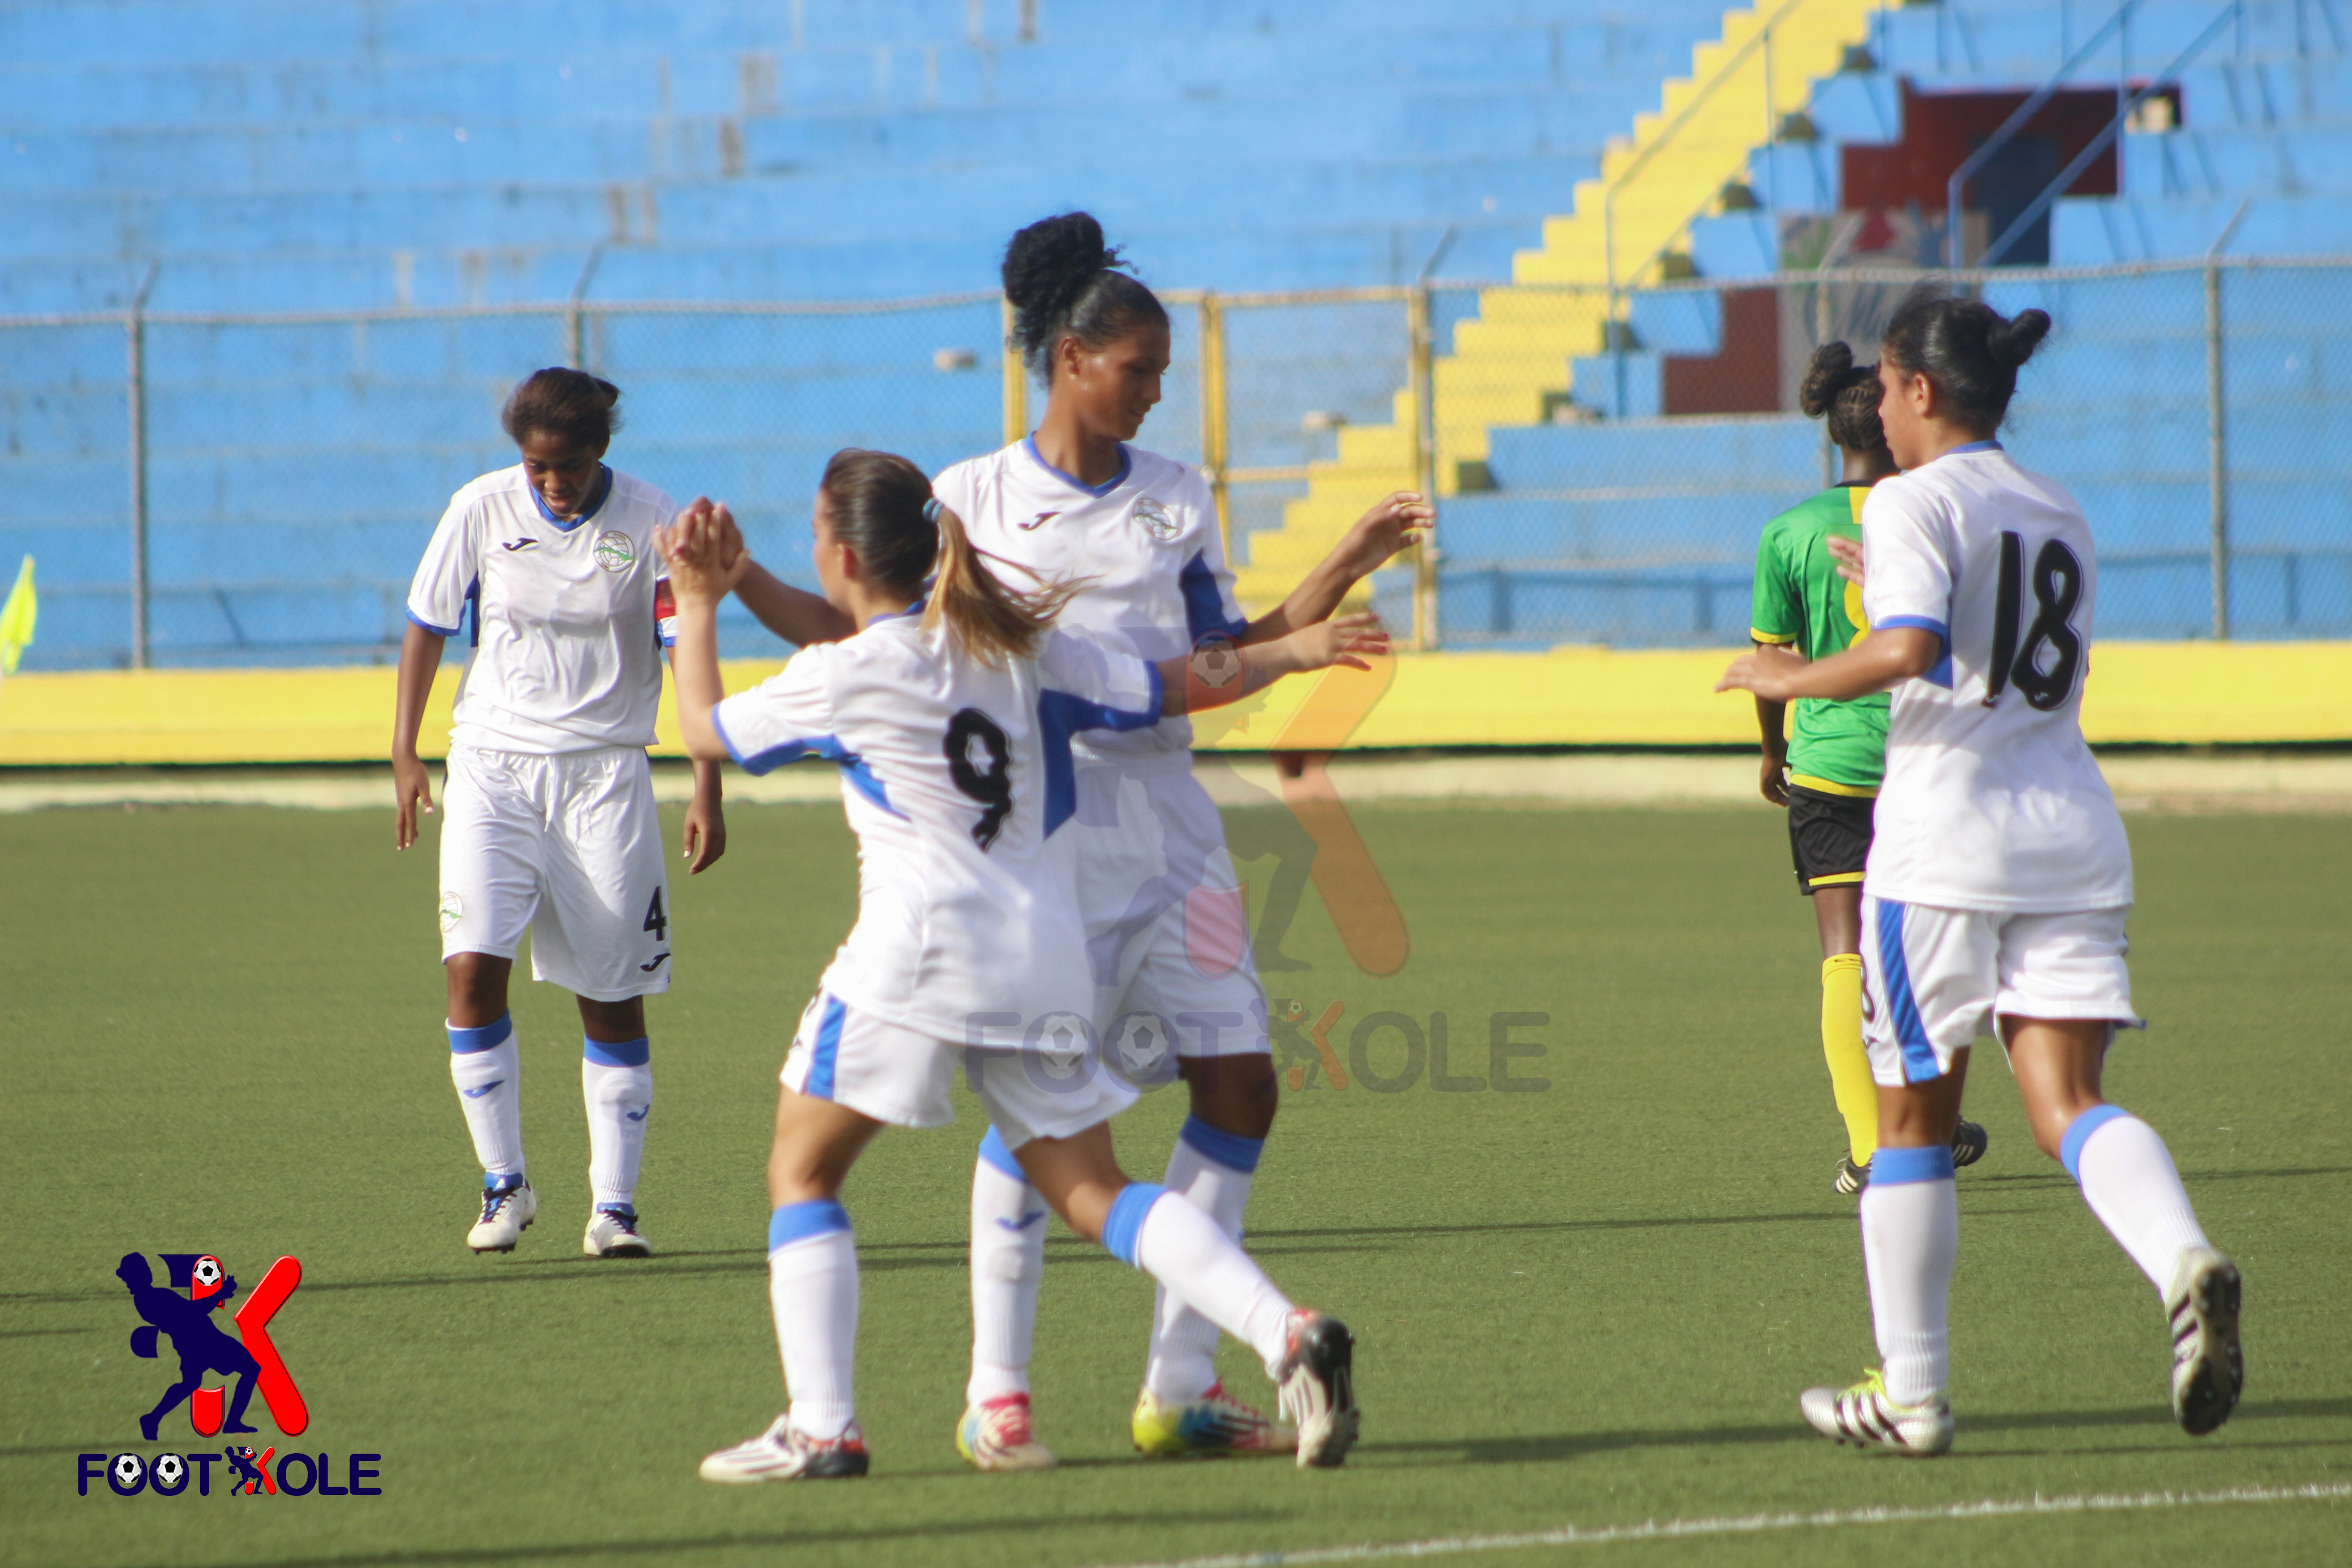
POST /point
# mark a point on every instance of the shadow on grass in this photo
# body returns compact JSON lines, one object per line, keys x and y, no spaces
{"x":780,"y":1540}
{"x":1542,"y":1448}
{"x":2014,"y":1181}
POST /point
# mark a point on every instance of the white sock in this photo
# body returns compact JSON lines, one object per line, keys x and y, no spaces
{"x":1008,"y":1261}
{"x":2129,"y":1182}
{"x":485,"y":1063}
{"x":812,"y":1290}
{"x":1212,"y":1171}
{"x":1182,"y":1248}
{"x":1910,"y":1237}
{"x":616,"y":1083}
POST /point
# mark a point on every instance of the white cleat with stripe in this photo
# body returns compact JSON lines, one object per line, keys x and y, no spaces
{"x":1866,"y":1416}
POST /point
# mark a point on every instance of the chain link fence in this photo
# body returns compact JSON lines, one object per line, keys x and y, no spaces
{"x":256,"y":489}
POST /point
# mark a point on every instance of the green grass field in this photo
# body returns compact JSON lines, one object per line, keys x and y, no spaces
{"x":1590,"y":1305}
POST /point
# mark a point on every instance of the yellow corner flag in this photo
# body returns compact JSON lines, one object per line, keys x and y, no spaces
{"x":16,"y":618}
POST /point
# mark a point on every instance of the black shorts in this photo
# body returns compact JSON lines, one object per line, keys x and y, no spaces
{"x":1829,"y":836}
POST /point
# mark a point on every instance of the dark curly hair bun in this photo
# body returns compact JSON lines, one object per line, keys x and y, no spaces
{"x":1970,"y":351}
{"x":2012,"y":343}
{"x":1833,"y":366}
{"x":1064,"y":280}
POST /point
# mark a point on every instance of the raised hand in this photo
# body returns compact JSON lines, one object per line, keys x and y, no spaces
{"x":706,"y":552}
{"x":1347,"y":640}
{"x":1396,"y":521}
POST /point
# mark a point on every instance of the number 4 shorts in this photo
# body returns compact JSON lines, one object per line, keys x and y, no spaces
{"x":565,"y":847}
{"x":1935,"y":979}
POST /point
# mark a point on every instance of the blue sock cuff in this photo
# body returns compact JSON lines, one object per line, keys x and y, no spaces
{"x":2078,"y":1132}
{"x":1896,"y":1167}
{"x":798,"y":1222}
{"x":1228,"y":1149}
{"x":465,"y":1042}
{"x":992,"y":1150}
{"x":626,"y":1054}
{"x":1126,"y":1223}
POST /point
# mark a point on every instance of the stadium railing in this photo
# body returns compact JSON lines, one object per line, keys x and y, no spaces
{"x":205,"y":489}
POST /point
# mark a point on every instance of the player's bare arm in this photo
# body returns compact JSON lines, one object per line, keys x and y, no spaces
{"x":1217,"y":673}
{"x":707,"y":560}
{"x":412,"y":786}
{"x":1398,"y":520}
{"x":1878,"y":661}
{"x":1772,"y":736}
{"x":795,"y":614}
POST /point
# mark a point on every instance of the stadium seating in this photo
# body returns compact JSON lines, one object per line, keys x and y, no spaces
{"x":336,"y":156}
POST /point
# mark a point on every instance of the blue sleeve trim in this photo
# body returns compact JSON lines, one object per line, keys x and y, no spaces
{"x":1124,"y":1226}
{"x":1204,"y":606}
{"x":1060,"y":716}
{"x":438,"y":631}
{"x":993,"y":1150}
{"x":798,"y":1222}
{"x":1940,"y":672}
{"x":1227,"y":1149}
{"x":626,"y":1054}
{"x":1903,"y":1167}
{"x":465,"y":1042}
{"x":2078,"y":1132}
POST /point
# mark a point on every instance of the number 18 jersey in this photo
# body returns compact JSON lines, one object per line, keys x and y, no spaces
{"x":1992,"y":800}
{"x":955,"y":776}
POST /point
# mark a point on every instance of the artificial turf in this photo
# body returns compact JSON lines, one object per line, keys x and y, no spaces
{"x":1590,"y":1303}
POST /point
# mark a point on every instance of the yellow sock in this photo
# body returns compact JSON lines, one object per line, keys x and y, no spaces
{"x":1850,"y":1079}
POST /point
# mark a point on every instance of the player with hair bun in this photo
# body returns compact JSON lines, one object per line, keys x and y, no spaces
{"x":951,"y":715}
{"x":549,"y":822}
{"x":1827,"y":772}
{"x":1073,"y":502}
{"x":1999,"y":878}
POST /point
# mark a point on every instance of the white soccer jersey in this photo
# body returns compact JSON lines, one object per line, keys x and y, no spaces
{"x":1992,"y":800}
{"x":955,"y":776}
{"x":1146,"y":544}
{"x":567,"y":639}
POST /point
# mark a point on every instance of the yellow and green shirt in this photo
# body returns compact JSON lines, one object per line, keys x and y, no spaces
{"x":1838,"y":748}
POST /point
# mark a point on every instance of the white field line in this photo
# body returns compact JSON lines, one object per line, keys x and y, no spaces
{"x":1765,"y":1523}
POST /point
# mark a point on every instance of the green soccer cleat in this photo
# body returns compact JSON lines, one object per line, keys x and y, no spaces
{"x":1866,"y":1417}
{"x":1216,"y":1423}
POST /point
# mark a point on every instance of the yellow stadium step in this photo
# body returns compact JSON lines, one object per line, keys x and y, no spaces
{"x":1510,"y":362}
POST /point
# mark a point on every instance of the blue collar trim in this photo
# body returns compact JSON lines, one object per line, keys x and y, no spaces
{"x":603,"y":494}
{"x":911,"y":611}
{"x":1974,"y":446}
{"x":1125,"y":466}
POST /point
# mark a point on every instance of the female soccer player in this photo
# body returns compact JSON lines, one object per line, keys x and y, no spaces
{"x":1827,"y":773}
{"x":549,"y":823}
{"x":950,"y":715}
{"x":1074,"y":502}
{"x":1999,"y":878}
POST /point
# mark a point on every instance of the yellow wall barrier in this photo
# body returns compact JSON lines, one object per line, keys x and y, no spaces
{"x":2223,"y":693}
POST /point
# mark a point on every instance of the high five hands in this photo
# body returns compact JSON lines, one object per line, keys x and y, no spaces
{"x":706,"y":552}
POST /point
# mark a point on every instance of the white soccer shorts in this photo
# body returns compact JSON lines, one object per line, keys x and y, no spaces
{"x":568,"y":847}
{"x":1167,"y":925}
{"x":1934,"y":980}
{"x":902,"y":1077}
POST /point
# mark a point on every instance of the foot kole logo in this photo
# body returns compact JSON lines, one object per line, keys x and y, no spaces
{"x":181,"y":1313}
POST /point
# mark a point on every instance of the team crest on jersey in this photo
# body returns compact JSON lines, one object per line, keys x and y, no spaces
{"x":1155,"y":520}
{"x":613,"y":550}
{"x":452,"y":910}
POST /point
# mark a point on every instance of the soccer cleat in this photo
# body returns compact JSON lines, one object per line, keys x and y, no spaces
{"x":1851,"y":1178}
{"x":1319,"y":1388}
{"x":996,"y":1435}
{"x":782,"y":1453}
{"x":2208,"y":1368}
{"x":1968,"y":1144}
{"x":1216,"y":1423}
{"x":612,"y":1233}
{"x":1866,"y":1416}
{"x":507,"y":1210}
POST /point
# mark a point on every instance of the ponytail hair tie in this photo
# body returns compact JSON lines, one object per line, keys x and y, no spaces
{"x":931,"y":510}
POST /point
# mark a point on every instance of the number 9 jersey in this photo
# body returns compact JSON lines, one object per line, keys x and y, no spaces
{"x":1992,"y":800}
{"x":955,"y":776}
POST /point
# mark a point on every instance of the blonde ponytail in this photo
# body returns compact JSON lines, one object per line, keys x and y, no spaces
{"x":992,"y":621}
